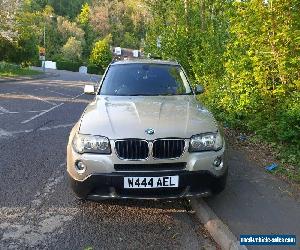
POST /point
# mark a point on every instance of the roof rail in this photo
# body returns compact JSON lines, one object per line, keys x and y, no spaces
{"x":160,"y":58}
{"x":117,"y":58}
{"x":150,"y":56}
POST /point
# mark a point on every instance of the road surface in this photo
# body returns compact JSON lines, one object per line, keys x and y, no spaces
{"x":37,"y":208}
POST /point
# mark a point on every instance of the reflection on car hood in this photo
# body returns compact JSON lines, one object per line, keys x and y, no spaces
{"x":118,"y":117}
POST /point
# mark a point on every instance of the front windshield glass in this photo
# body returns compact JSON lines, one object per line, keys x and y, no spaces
{"x":145,"y":79}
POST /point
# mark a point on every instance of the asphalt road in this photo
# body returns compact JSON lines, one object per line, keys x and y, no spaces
{"x":37,"y":208}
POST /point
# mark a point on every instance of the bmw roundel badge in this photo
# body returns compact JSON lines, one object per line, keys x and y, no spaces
{"x":150,"y":131}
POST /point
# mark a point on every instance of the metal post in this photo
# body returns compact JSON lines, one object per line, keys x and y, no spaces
{"x":44,"y":64}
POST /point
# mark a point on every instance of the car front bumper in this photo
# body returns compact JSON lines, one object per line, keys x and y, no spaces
{"x":109,"y":186}
{"x":103,"y":178}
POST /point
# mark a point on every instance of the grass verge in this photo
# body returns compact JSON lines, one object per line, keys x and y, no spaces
{"x":13,"y":70}
{"x":286,"y":157}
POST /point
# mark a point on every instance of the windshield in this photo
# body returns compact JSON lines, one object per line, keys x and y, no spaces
{"x":145,"y":79}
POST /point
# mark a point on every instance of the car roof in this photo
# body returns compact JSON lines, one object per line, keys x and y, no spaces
{"x":149,"y":61}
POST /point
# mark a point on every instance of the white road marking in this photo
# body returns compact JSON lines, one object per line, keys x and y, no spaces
{"x":57,"y":126}
{"x":22,"y":112}
{"x":40,"y":88}
{"x":48,"y":188}
{"x":9,"y":93}
{"x":22,"y":233}
{"x":75,"y":97}
{"x":59,"y":93}
{"x":31,"y":226}
{"x":4,"y":133}
{"x":22,"y":131}
{"x":40,"y":114}
{"x":4,"y":110}
{"x":43,"y":100}
{"x":46,"y":111}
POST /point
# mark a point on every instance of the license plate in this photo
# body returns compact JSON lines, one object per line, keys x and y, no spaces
{"x":151,"y":182}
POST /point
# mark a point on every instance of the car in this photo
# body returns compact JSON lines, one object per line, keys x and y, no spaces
{"x":146,"y":136}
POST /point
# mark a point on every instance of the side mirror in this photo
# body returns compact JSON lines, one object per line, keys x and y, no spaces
{"x":199,"y":89}
{"x":89,"y":89}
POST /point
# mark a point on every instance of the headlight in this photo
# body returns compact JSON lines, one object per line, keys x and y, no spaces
{"x":206,"y":142}
{"x":91,"y":144}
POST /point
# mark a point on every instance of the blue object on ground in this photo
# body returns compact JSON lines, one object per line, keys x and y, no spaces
{"x":242,"y":137}
{"x":271,"y":167}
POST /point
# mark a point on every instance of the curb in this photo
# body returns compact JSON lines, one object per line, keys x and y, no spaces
{"x":217,"y":229}
{"x":37,"y":77}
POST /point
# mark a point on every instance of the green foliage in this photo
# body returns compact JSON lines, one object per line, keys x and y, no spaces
{"x":21,"y":48}
{"x":68,"y":29}
{"x":66,"y":7}
{"x":84,"y":16}
{"x":124,"y":19}
{"x":129,"y":41}
{"x":72,"y":50}
{"x":8,"y":20}
{"x":101,"y":54}
{"x":94,"y":69}
{"x":22,"y":25}
{"x":261,"y":79}
{"x":68,"y":65}
{"x":5,"y":48}
{"x":89,"y":34}
{"x":8,"y":69}
{"x":245,"y":53}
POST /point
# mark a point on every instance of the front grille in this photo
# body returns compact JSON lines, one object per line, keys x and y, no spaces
{"x":132,"y":149}
{"x":150,"y":167}
{"x":168,"y":148}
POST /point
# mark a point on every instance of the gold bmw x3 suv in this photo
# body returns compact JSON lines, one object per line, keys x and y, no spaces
{"x":145,"y":136}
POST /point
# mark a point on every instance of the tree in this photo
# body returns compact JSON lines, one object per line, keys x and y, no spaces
{"x":22,"y":47}
{"x":67,"y":8}
{"x":84,"y":17}
{"x":100,"y":19}
{"x":68,"y":29}
{"x":129,"y":41}
{"x":54,"y":40}
{"x":72,"y":50}
{"x":119,"y":18}
{"x":84,"y":20}
{"x":262,"y":65}
{"x":101,"y":54}
{"x":246,"y":53}
{"x":8,"y":12}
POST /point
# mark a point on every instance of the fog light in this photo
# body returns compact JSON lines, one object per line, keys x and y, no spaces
{"x":80,"y":167}
{"x":218,"y":163}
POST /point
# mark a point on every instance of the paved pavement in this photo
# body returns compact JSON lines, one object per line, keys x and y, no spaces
{"x":256,"y":202}
{"x":37,"y":208}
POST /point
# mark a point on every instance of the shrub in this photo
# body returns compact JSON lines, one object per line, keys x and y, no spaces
{"x":129,"y":41}
{"x":94,"y":69}
{"x":72,"y":50}
{"x":68,"y":65}
{"x":10,"y":69}
{"x":101,"y":54}
{"x":8,"y":66}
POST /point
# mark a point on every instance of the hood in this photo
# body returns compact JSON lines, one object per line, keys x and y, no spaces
{"x":118,"y":117}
